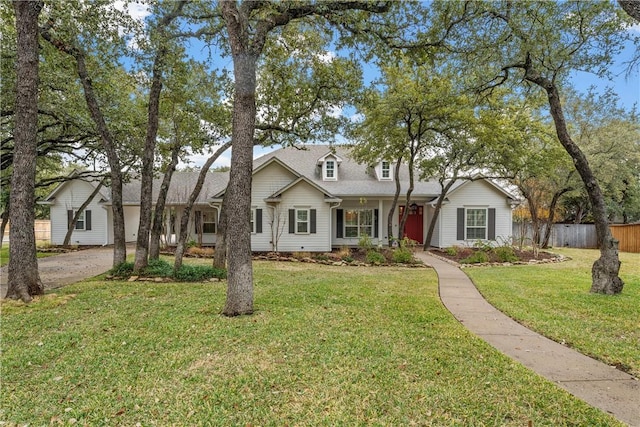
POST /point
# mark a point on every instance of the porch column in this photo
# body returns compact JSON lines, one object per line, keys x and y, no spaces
{"x":380,"y":221}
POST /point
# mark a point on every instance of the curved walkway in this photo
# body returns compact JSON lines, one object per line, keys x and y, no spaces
{"x":596,"y":383}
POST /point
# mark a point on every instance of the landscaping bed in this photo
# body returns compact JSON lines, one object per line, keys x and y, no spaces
{"x":483,"y":255}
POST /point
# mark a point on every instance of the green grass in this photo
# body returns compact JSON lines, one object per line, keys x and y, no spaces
{"x":326,"y":346}
{"x":554,"y":299}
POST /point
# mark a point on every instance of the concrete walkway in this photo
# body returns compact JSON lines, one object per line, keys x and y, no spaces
{"x":596,"y":383}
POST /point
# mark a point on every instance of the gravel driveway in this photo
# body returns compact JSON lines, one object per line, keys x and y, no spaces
{"x":64,"y":269}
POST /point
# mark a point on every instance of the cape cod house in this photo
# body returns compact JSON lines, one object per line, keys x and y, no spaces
{"x":311,"y":199}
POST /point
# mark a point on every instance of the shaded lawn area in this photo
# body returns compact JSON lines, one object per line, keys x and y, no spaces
{"x":326,"y":346}
{"x":554,"y":299}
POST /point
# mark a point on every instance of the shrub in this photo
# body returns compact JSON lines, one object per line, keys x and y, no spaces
{"x":505,"y":254}
{"x":402,"y":255}
{"x":157,"y":268}
{"x":483,"y":245}
{"x":374,"y":257}
{"x":344,"y":251}
{"x":476,"y":258}
{"x":451,"y":251}
{"x":200,"y":251}
{"x":124,"y":269}
{"x":365,"y":242}
{"x":197,"y":273}
{"x":347,"y":258}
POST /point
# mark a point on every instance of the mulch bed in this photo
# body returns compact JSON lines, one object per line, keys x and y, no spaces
{"x":524,"y":256}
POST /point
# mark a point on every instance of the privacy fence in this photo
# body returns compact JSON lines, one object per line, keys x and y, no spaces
{"x":584,"y":235}
{"x":42,"y":228}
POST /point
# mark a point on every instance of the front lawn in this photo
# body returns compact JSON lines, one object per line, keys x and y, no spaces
{"x":554,"y":300}
{"x":4,"y":254}
{"x":327,"y":346}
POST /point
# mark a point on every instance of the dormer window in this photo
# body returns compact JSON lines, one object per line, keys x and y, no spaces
{"x":330,"y":169}
{"x":383,"y":170}
{"x":386,"y":170}
{"x":329,"y":164}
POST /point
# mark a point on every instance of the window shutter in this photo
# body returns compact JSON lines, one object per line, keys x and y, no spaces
{"x":292,"y":221}
{"x":375,"y":223}
{"x":460,"y":225}
{"x":491,"y":231}
{"x":339,"y":222}
{"x":69,"y":218}
{"x":87,"y":220}
{"x":258,"y":220}
{"x":312,"y":219}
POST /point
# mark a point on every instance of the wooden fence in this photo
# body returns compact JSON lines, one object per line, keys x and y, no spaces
{"x":584,"y":235}
{"x":628,"y":235}
{"x":42,"y":228}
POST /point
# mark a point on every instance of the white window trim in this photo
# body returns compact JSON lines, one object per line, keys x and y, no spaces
{"x":325,"y":175}
{"x":388,"y":169}
{"x":466,"y":220}
{"x":82,"y":218}
{"x":359,"y":225}
{"x":214,"y":221}
{"x":308,"y":221}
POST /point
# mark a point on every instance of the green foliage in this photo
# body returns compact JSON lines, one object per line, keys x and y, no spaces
{"x":347,"y":258}
{"x":365,"y":242}
{"x":157,"y":268}
{"x":402,"y":255}
{"x":505,"y":254}
{"x":197,"y":273}
{"x":123,"y":270}
{"x":477,"y":257}
{"x":483,"y":245}
{"x":375,"y":257}
{"x":452,"y":251}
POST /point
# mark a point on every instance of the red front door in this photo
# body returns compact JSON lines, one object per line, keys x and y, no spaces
{"x":414,"y":227}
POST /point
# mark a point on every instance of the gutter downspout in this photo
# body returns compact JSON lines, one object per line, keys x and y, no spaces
{"x":331,"y":208}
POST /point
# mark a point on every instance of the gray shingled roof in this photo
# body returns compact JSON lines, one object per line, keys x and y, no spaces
{"x":182,"y":184}
{"x":354,"y":179}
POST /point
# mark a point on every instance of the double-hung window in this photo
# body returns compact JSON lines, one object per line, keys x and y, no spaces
{"x":302,"y":221}
{"x":358,"y":223}
{"x":208,"y":222}
{"x":330,"y":170}
{"x":80,"y":223}
{"x":385,"y":167}
{"x":476,"y":223}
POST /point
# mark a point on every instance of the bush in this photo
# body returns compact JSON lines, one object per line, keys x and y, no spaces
{"x":365,"y":242}
{"x":505,"y":254}
{"x":402,"y":255}
{"x":451,"y":251}
{"x":374,"y":257}
{"x":198,"y":273}
{"x":476,"y":258}
{"x":157,"y":268}
{"x":124,"y":269}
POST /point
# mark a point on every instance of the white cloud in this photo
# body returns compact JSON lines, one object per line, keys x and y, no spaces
{"x":138,"y":11}
{"x":327,"y":57}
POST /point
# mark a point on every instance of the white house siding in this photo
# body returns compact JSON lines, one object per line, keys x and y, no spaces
{"x":476,"y":194}
{"x":302,"y":195}
{"x":70,"y":197}
{"x":435,"y":240}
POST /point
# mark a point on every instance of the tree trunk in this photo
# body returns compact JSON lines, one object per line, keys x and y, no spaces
{"x":148,"y":154}
{"x":552,"y":216}
{"x":238,"y":194}
{"x":158,"y":215}
{"x":405,"y":214}
{"x":107,"y":141}
{"x":71,"y":226}
{"x":3,"y":224}
{"x":436,"y":212}
{"x":24,"y":280}
{"x":220,"y":254}
{"x":394,"y":203}
{"x":186,"y":213}
{"x":604,"y":273}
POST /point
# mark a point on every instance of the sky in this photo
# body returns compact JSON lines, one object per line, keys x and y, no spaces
{"x":625,"y":85}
